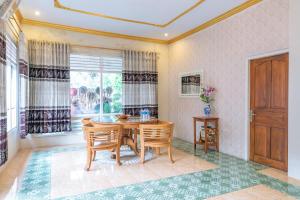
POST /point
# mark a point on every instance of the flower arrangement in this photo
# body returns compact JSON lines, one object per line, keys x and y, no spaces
{"x":207,"y":94}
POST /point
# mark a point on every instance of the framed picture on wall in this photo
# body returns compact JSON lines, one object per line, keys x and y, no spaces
{"x":190,"y":84}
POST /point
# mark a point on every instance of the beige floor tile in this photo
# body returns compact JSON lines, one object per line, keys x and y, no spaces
{"x":280,"y":175}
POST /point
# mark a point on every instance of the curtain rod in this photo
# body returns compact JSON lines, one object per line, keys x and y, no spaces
{"x":96,"y":47}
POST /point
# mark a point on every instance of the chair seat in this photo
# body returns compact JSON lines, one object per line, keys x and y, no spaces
{"x":154,"y":142}
{"x":104,"y":145}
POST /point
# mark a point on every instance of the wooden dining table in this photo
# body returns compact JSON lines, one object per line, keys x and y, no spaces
{"x":130,"y":128}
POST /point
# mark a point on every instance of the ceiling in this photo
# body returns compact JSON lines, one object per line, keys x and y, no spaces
{"x":137,"y":18}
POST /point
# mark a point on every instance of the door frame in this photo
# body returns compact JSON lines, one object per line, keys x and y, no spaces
{"x":247,"y":95}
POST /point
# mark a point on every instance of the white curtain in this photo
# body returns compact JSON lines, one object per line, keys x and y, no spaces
{"x":139,"y":79}
{"x":49,"y":87}
{"x":23,"y":86}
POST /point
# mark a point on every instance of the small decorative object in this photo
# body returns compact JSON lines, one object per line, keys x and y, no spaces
{"x":122,"y":117}
{"x":207,"y":110}
{"x":190,"y":84}
{"x":206,"y":96}
{"x":145,"y":114}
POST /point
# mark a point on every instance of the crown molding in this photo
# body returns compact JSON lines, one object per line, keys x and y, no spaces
{"x":201,"y":27}
{"x":90,"y":31}
{"x":216,"y":20}
{"x":19,"y":16}
{"x":59,"y":5}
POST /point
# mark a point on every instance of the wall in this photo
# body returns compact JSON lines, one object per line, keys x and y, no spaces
{"x":50,"y":34}
{"x":294,"y":95}
{"x":222,"y":52}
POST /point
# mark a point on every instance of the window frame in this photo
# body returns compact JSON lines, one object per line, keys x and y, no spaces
{"x":12,"y":111}
{"x":101,"y":70}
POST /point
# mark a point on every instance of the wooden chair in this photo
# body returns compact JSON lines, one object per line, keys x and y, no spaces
{"x":86,"y":121}
{"x":102,"y":137}
{"x":156,"y":136}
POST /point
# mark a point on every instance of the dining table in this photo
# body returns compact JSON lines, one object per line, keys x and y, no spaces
{"x":129,"y":128}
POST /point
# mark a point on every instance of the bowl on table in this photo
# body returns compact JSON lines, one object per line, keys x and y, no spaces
{"x":122,"y":117}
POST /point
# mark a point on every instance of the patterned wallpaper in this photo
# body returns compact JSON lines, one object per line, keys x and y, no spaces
{"x":222,"y":52}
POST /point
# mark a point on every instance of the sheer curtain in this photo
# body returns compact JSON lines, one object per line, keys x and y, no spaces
{"x":24,"y":86}
{"x":139,"y":79}
{"x":49,"y":85}
{"x":3,"y":111}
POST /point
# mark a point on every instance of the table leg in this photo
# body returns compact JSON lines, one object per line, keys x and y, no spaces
{"x":131,"y":144}
{"x":206,"y":137}
{"x":195,"y":139}
{"x":130,"y":141}
{"x":217,"y":135}
{"x":135,"y":132}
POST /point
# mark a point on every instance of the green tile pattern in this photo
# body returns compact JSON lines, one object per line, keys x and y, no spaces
{"x":231,"y":175}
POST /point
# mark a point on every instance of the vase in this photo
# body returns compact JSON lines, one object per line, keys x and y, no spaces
{"x":207,"y":110}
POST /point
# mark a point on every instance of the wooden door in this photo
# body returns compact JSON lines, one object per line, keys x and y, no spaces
{"x":269,"y":111}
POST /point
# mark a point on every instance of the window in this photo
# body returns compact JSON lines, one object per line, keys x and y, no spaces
{"x":96,"y":86}
{"x":11,"y":84}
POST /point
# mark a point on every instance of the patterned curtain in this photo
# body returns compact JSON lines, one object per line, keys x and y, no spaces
{"x":139,"y":78}
{"x":3,"y":112}
{"x":49,"y":85}
{"x":24,"y":86}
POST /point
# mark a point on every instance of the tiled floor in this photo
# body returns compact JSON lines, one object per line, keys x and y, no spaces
{"x":258,"y":192}
{"x":275,"y":173}
{"x":10,"y":178}
{"x":57,"y":173}
{"x":105,"y":174}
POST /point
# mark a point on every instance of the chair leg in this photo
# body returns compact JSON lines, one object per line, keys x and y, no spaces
{"x":88,"y":160}
{"x":157,"y":150}
{"x":94,"y":155}
{"x":142,"y":154}
{"x":170,"y":153}
{"x":118,"y":156}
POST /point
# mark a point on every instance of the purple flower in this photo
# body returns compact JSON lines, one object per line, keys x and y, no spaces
{"x":206,"y":94}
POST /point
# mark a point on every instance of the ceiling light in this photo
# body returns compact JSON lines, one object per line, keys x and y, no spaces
{"x":166,"y":34}
{"x":37,"y":13}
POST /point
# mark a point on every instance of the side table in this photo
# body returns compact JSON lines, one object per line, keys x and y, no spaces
{"x":211,"y":132}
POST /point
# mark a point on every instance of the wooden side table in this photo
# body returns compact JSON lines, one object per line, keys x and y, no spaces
{"x":211,"y":130}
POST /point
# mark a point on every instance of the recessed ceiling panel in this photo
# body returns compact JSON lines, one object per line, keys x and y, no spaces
{"x":147,"y":11}
{"x":152,"y":11}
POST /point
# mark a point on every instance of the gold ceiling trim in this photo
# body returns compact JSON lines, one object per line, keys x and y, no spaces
{"x":19,"y":16}
{"x":59,"y":5}
{"x":201,"y":27}
{"x":93,"y":32}
{"x":216,"y":20}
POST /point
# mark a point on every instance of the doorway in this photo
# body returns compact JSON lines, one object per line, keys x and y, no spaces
{"x":269,"y":111}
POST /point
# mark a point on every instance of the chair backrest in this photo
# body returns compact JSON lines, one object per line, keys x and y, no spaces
{"x":86,"y":122}
{"x":102,"y":133}
{"x":160,"y":131}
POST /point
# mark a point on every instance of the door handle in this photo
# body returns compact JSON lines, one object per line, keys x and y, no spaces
{"x":251,"y":115}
